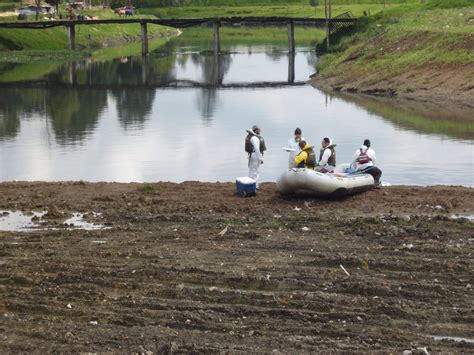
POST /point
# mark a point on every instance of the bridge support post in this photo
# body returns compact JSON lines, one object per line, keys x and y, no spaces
{"x":144,"y":33}
{"x":145,"y":70}
{"x":291,"y":37}
{"x":216,"y":39}
{"x":291,"y":67}
{"x":216,"y":78}
{"x":72,"y":73}
{"x":71,"y":36}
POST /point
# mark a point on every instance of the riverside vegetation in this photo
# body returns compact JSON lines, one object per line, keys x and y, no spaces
{"x":22,"y":45}
{"x":420,"y":50}
{"x":46,"y":43}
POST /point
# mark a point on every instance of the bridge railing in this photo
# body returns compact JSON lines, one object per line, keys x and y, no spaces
{"x":344,"y":20}
{"x":340,"y":21}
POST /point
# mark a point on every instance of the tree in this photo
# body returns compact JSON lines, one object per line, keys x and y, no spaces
{"x":38,"y":7}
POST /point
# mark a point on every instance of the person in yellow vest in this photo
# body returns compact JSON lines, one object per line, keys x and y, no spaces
{"x":306,"y":158}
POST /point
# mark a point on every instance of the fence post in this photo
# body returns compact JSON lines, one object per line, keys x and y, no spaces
{"x":291,"y":37}
{"x":144,"y":32}
{"x":71,"y":36}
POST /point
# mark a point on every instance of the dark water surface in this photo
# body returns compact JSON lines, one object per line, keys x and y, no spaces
{"x":182,"y":115}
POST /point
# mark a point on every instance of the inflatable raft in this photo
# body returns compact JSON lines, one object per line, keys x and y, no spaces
{"x":313,"y":183}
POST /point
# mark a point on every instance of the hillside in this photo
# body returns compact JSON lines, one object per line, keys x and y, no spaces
{"x":416,"y":51}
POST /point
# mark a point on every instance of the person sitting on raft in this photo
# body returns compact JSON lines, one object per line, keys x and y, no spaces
{"x":327,"y":156}
{"x":364,"y":161}
{"x":306,"y":158}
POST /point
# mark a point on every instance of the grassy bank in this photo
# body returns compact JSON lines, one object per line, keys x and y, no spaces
{"x":90,"y":36}
{"x":292,"y":10}
{"x":417,"y":49}
{"x":244,"y":36}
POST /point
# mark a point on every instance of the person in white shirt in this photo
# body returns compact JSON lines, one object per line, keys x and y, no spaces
{"x":255,"y":147}
{"x":327,"y":156}
{"x":363,"y":161}
{"x":293,"y":143}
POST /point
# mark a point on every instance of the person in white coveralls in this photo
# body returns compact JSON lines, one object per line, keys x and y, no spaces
{"x":255,"y":147}
{"x":294,"y":148}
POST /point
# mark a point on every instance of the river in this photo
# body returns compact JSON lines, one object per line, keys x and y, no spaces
{"x":182,"y":113}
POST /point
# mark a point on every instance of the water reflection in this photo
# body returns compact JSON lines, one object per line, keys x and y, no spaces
{"x":181,"y":114}
{"x":446,"y":119}
{"x":73,"y":111}
{"x":76,"y":93}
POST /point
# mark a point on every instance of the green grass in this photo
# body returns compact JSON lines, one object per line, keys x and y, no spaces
{"x":401,"y":39}
{"x":236,"y":3}
{"x":147,"y":188}
{"x":41,"y":55}
{"x":130,"y":49}
{"x":232,"y":36}
{"x":299,"y":10}
{"x":8,"y":6}
{"x":87,"y":36}
{"x":33,"y":65}
{"x":26,"y":71}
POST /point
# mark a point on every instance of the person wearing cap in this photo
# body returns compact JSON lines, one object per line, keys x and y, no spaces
{"x":256,"y":148}
{"x":293,"y":145}
{"x":327,"y":156}
{"x":363,"y":161}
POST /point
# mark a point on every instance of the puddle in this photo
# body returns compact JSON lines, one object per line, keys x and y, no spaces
{"x":77,"y":222}
{"x":458,"y":339}
{"x":17,"y":221}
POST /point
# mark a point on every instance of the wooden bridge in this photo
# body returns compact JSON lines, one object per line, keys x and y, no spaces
{"x":333,"y":25}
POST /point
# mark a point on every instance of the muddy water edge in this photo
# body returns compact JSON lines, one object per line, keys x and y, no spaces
{"x":162,"y":279}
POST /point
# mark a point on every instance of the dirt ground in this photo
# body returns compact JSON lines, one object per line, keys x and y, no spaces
{"x":163,"y":280}
{"x":441,"y":84}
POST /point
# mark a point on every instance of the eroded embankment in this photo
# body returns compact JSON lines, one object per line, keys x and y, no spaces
{"x":422,"y":54}
{"x":163,"y":279}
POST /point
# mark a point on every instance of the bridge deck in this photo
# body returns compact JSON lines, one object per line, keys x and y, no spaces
{"x":183,"y":23}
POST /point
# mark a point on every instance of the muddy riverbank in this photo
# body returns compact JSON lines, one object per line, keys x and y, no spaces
{"x":422,"y":52}
{"x":443,"y":86}
{"x":163,"y":278}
